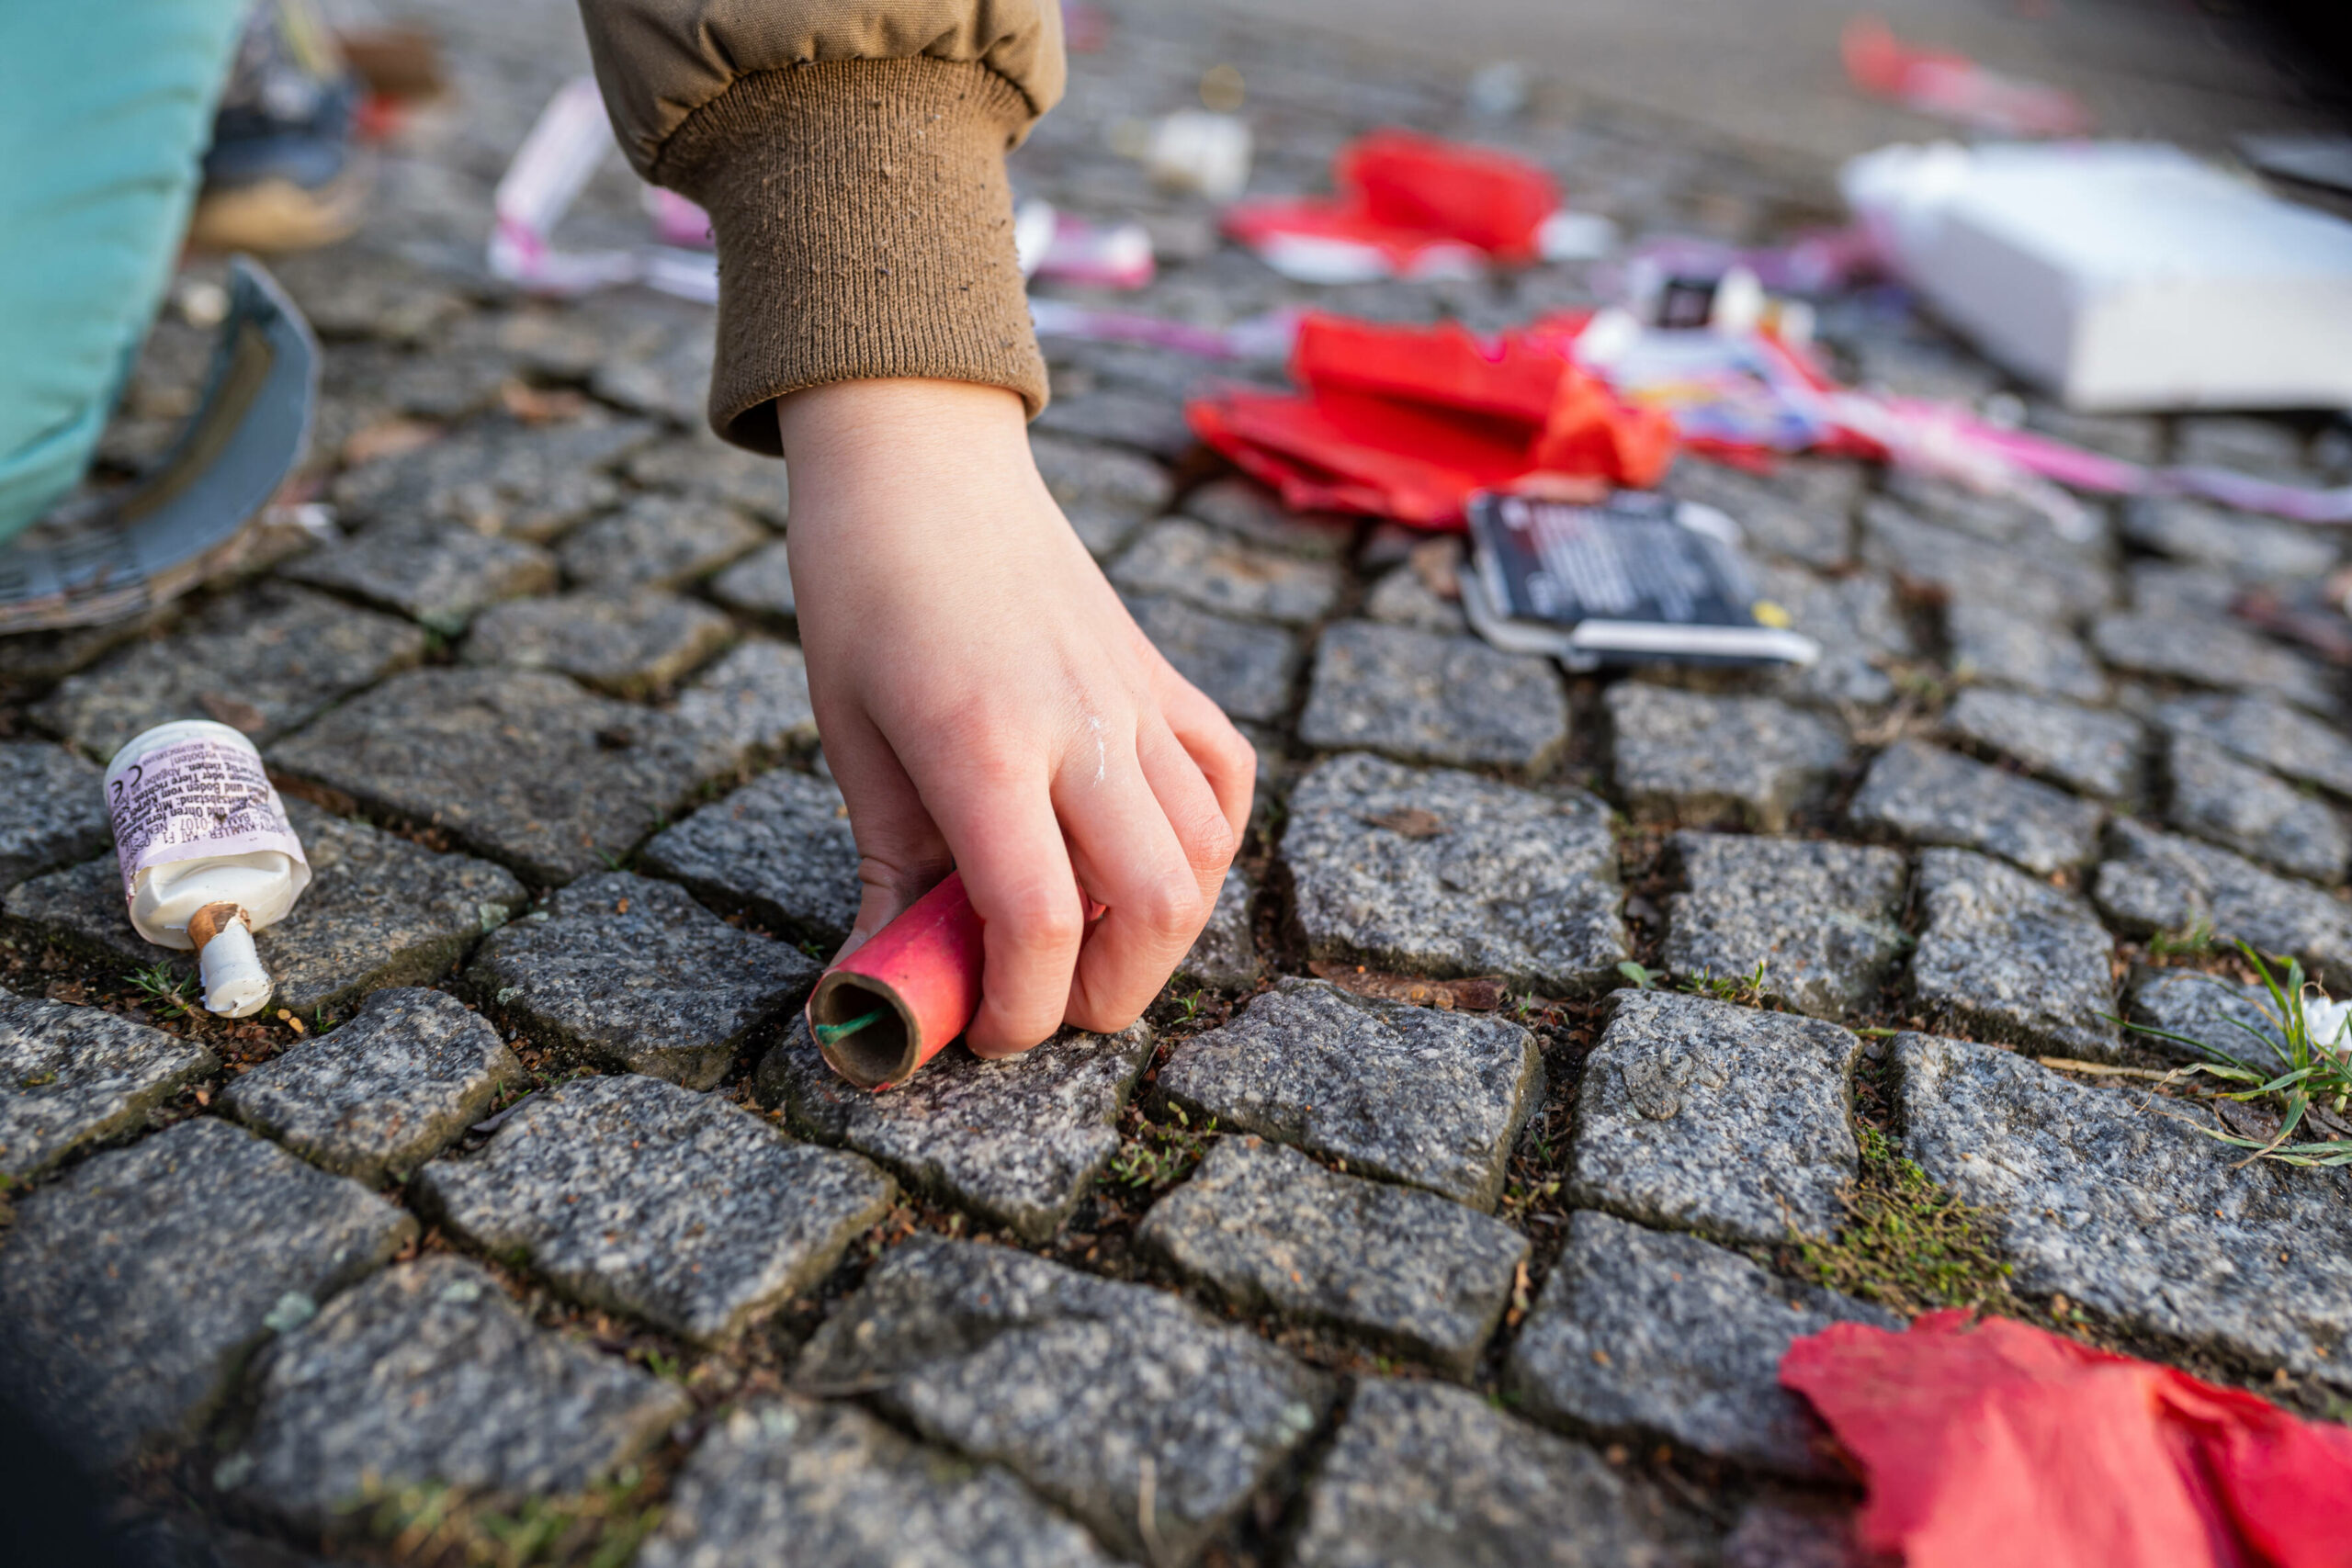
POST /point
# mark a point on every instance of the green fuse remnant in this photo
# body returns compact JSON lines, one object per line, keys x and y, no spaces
{"x":833,"y":1034}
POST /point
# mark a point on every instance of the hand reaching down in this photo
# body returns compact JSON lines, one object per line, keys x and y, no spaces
{"x":987,"y":703}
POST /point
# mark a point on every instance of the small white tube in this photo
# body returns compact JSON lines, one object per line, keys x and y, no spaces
{"x":207,"y":852}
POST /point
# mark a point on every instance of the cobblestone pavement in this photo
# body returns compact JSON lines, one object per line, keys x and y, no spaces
{"x":1406,"y":1229}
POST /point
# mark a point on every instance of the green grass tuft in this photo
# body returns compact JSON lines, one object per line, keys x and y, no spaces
{"x":2196,"y":941}
{"x":2307,"y":1079}
{"x":1742,"y":990}
{"x":170,"y":991}
{"x":1161,"y":1154}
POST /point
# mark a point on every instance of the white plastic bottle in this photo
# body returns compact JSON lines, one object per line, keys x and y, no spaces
{"x":208,"y":855}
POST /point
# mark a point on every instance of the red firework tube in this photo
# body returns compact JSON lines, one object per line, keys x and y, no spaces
{"x":920,"y":972}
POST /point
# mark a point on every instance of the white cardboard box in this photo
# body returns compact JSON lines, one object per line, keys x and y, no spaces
{"x":2120,"y":276}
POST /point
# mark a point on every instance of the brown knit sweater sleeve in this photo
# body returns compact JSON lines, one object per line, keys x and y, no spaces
{"x":851,"y":159}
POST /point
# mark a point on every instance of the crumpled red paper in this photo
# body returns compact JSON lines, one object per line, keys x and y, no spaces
{"x":1992,"y":1444}
{"x":1409,"y":206}
{"x":1408,"y":423}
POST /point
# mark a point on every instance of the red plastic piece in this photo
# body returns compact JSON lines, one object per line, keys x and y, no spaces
{"x":1409,"y":423}
{"x":922,"y":970}
{"x":1992,"y":1444}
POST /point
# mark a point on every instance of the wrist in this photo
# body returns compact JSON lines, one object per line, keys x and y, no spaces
{"x":855,"y":423}
{"x":884,"y":454}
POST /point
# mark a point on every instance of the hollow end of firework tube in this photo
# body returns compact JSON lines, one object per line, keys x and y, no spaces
{"x":891,"y":1006}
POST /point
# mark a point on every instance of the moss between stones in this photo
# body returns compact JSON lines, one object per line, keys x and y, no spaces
{"x":1906,"y":1243}
{"x":437,"y":1524}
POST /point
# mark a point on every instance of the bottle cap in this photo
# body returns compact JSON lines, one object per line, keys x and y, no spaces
{"x":235,"y":983}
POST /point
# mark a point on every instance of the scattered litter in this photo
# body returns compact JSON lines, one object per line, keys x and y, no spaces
{"x":571,"y":136}
{"x":2300,"y":504}
{"x":1408,"y":423}
{"x":1816,"y":262}
{"x":1742,"y":394}
{"x":1743,"y":397}
{"x":2120,"y":275}
{"x":1414,"y":207}
{"x":888,"y":1008}
{"x":1730,"y":301}
{"x":208,"y":855}
{"x":1577,"y":236}
{"x":1060,"y":247}
{"x":1954,"y":87}
{"x":676,"y":220}
{"x":1639,"y":578}
{"x":1199,"y":150}
{"x":1948,"y":442}
{"x":1265,"y":338}
{"x":1997,"y":1445}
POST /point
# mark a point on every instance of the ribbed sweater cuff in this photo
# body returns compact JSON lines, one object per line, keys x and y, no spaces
{"x":865,"y":230}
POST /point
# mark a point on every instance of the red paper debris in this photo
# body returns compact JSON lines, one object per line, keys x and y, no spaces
{"x":1992,"y":1444}
{"x":1486,"y":199}
{"x":1408,"y":421}
{"x":1407,"y":206}
{"x":1954,"y":87}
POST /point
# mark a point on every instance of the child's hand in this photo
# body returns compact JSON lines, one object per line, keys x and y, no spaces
{"x":987,"y":704}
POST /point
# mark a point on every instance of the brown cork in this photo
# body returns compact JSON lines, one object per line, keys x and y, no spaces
{"x":206,"y":923}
